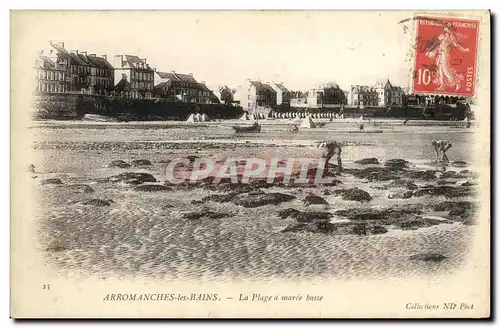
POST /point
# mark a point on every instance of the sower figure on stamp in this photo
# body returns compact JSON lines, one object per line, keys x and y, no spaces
{"x":441,"y":147}
{"x":333,"y":148}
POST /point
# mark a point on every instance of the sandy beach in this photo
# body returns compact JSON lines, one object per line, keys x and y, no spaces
{"x":97,"y":218}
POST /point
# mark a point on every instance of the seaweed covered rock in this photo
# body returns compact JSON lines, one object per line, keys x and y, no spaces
{"x":80,"y":188}
{"x":442,"y":190}
{"x":152,"y":188}
{"x":401,"y":194}
{"x":353,"y":194}
{"x":403,"y":183}
{"x":50,"y":181}
{"x":314,"y":200}
{"x":119,"y":163}
{"x":422,"y":175}
{"x":97,"y":202}
{"x":301,"y":216}
{"x":261,"y":199}
{"x":428,"y":257}
{"x":203,"y":214}
{"x":316,"y":226}
{"x":367,"y":161}
{"x":459,"y":164}
{"x":141,"y":162}
{"x":397,"y":164}
{"x":137,"y":176}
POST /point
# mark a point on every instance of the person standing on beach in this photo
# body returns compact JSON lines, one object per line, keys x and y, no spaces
{"x":333,"y":148}
{"x":441,"y":147}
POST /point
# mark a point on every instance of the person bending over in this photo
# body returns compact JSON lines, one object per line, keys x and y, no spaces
{"x":441,"y":147}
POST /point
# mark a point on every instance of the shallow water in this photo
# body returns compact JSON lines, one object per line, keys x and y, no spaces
{"x":145,"y":234}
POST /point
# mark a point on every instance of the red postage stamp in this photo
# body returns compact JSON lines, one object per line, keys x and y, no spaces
{"x":445,"y":60}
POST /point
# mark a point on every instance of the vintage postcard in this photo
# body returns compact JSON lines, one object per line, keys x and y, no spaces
{"x":250,"y":164}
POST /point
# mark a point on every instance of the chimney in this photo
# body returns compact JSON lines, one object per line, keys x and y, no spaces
{"x":203,"y":82}
{"x":144,"y":60}
{"x":92,"y":55}
{"x":105,"y":57}
{"x":84,"y":53}
{"x":117,"y":61}
{"x":190,"y":74}
{"x":172,"y":70}
{"x":75,"y":52}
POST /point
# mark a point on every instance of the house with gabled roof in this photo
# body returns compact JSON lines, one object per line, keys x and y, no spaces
{"x":50,"y":77}
{"x":133,"y":76}
{"x":257,"y":97}
{"x":282,"y":94}
{"x":181,"y":87}
{"x":83,"y":73}
{"x":388,"y":94}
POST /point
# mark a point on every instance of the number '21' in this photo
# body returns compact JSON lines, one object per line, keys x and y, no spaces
{"x":424,"y":76}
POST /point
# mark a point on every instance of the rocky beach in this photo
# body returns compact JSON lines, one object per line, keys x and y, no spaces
{"x":105,"y":208}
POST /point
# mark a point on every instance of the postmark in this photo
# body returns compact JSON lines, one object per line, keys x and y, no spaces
{"x":446,"y":56}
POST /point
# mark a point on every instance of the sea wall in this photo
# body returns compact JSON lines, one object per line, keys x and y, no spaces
{"x":75,"y":106}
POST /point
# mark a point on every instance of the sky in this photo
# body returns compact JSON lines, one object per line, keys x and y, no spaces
{"x":298,"y":48}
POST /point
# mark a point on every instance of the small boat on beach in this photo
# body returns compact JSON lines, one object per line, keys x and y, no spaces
{"x":255,"y":128}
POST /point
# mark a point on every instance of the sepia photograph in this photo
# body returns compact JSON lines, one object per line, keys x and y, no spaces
{"x":225,"y":164}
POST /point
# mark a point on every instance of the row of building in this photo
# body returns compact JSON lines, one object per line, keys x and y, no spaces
{"x":63,"y":71}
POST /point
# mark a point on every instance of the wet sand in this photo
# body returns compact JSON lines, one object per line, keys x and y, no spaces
{"x":134,"y":233}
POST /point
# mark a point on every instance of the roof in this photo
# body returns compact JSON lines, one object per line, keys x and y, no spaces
{"x":122,"y":85}
{"x":203,"y":87}
{"x":177,"y":77}
{"x":262,"y":86}
{"x":185,"y":78}
{"x":46,"y":63}
{"x":383,"y":82}
{"x":281,"y":87}
{"x":133,"y":61}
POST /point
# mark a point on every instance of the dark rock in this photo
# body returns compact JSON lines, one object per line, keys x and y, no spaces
{"x":133,"y":182}
{"x":444,"y":182}
{"x":447,"y":191}
{"x":256,"y":200}
{"x":354,"y":194}
{"x":416,"y":223}
{"x":152,"y":188}
{"x":139,"y":162}
{"x":388,"y":216}
{"x":400,"y":195}
{"x":428,"y":257}
{"x":164,"y":161}
{"x":97,"y":202}
{"x":119,"y":163}
{"x":126,"y":176}
{"x":422,"y":175}
{"x":409,"y":184}
{"x":301,"y":216}
{"x":317,"y":226}
{"x":314,"y":200}
{"x":237,"y":188}
{"x":366,"y":161}
{"x":459,"y":164}
{"x":283,"y":214}
{"x":81,"y":188}
{"x":377,"y":230}
{"x":397,"y":164}
{"x":203,"y":214}
{"x":449,"y":205}
{"x":56,"y":181}
{"x":373,"y":173}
